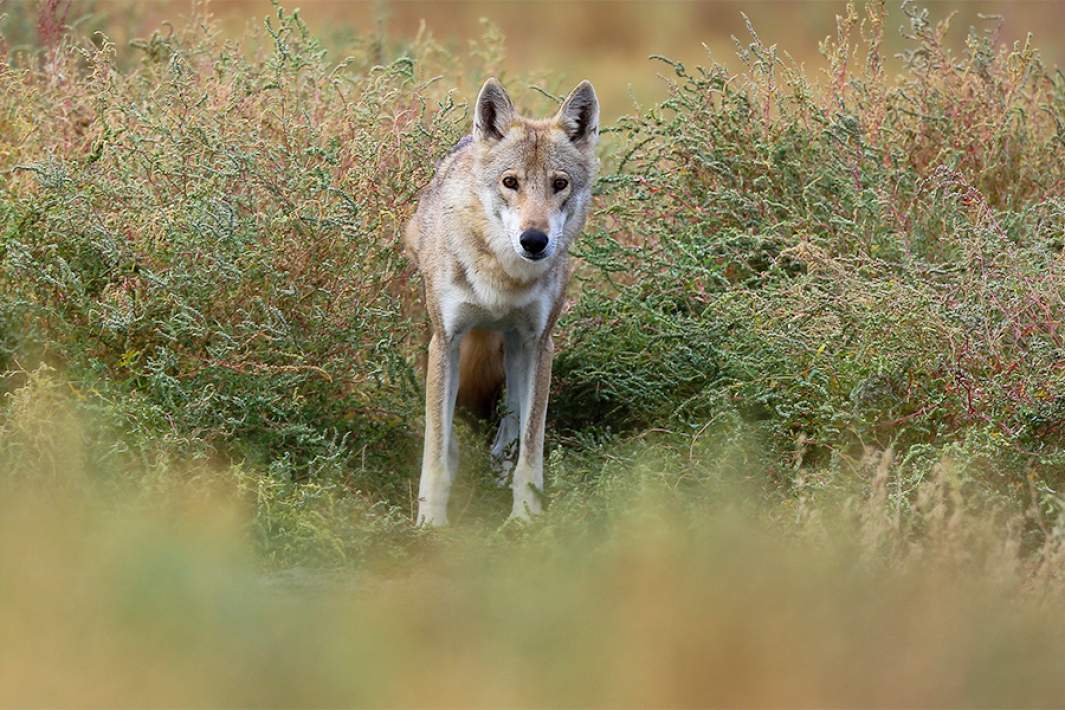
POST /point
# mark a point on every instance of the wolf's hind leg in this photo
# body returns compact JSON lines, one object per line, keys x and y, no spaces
{"x":505,"y":445}
{"x":504,"y":448}
{"x":453,"y":453}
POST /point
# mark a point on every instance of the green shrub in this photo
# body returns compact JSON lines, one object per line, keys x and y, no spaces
{"x":215,"y":232}
{"x":861,"y":260}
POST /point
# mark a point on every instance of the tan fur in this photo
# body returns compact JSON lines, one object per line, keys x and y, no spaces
{"x":480,"y":372}
{"x":491,"y":302}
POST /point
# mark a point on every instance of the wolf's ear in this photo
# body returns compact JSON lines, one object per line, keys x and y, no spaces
{"x":494,"y":112}
{"x":579,"y":115}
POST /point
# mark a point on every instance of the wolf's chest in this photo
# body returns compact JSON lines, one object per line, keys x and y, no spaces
{"x":469,"y":303}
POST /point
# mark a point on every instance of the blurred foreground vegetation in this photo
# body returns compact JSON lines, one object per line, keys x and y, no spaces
{"x":667,"y":579}
{"x":807,"y":410}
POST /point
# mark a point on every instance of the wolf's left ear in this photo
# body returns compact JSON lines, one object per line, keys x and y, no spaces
{"x":494,"y":112}
{"x":579,"y":115}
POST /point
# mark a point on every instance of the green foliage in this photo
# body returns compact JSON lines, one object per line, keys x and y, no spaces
{"x":216,"y":232}
{"x":858,"y":261}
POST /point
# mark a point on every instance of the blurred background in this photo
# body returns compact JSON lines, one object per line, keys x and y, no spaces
{"x":607,"y":41}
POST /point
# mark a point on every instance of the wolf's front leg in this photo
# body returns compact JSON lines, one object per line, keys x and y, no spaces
{"x":439,"y":457}
{"x":529,"y":472}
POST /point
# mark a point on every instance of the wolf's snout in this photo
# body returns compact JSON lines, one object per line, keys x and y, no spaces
{"x":533,"y":241}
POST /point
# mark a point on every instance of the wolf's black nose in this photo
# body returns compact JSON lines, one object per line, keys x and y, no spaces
{"x":533,"y":241}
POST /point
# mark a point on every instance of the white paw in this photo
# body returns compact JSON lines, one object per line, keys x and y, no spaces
{"x":432,"y":516}
{"x":526,"y":506}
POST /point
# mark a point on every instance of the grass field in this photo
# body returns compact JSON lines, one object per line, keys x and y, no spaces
{"x":805,"y":443}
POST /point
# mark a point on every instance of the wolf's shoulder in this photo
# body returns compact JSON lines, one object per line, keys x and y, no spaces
{"x":452,"y":171}
{"x":455,"y":159}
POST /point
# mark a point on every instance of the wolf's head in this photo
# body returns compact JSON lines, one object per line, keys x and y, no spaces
{"x":535,"y":176}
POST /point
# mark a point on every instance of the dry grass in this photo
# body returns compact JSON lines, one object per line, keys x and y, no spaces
{"x":119,"y":598}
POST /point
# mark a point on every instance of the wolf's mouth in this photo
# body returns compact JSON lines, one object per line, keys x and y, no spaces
{"x":534,"y":257}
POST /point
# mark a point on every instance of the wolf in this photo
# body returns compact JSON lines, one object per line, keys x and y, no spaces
{"x":490,"y":238}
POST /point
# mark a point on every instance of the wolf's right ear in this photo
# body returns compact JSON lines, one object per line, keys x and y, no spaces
{"x":494,"y":112}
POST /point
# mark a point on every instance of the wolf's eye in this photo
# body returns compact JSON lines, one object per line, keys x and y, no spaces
{"x":560,"y":184}
{"x":510,"y":182}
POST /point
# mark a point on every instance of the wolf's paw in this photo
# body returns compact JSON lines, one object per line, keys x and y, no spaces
{"x":431,"y":516}
{"x":526,"y":505}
